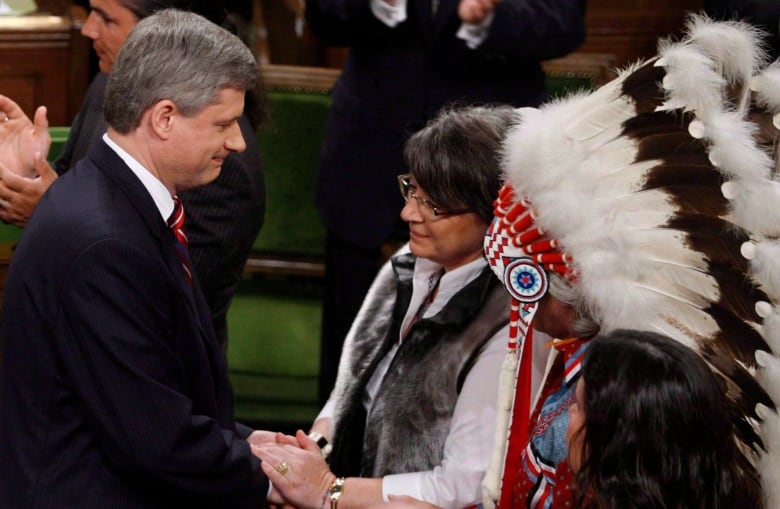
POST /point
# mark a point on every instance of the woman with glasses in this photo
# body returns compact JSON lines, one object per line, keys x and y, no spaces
{"x":413,"y":409}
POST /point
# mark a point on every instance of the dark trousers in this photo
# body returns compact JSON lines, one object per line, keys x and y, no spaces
{"x":349,"y":272}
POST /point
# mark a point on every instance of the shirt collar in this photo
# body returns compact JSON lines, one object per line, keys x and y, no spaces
{"x":451,"y":282}
{"x":159,"y":193}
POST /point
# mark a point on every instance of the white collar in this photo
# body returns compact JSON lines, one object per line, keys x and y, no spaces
{"x":159,"y":193}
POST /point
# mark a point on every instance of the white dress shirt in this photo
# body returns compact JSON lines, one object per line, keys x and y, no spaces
{"x":456,"y":482}
{"x":160,"y":194}
{"x":391,"y":15}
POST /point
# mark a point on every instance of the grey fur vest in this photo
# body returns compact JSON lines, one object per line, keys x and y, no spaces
{"x":410,"y":418}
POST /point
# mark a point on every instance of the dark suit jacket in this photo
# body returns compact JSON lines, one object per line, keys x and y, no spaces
{"x":114,"y":389}
{"x":223,"y":217}
{"x":395,"y":79}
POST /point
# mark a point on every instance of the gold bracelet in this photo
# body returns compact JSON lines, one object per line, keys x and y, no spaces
{"x":335,"y":491}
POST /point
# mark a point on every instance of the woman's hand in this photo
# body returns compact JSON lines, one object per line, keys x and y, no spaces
{"x":299,"y":473}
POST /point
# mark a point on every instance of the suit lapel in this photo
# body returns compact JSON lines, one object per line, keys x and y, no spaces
{"x":422,"y":9}
{"x":115,"y":169}
{"x":446,"y":10}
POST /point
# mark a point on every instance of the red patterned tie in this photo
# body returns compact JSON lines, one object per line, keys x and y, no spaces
{"x":176,"y":223}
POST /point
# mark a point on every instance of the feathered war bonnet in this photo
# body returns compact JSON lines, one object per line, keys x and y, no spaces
{"x":662,"y":190}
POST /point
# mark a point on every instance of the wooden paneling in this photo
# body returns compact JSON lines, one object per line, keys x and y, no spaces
{"x":43,"y":61}
{"x":630,"y":29}
{"x":296,"y":78}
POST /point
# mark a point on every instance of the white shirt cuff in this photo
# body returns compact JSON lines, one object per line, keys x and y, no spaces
{"x":475,"y":34}
{"x":390,"y":15}
{"x":327,"y":411}
{"x":402,"y":484}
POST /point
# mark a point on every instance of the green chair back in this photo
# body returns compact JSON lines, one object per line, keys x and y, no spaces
{"x":59,"y":135}
{"x":275,"y":319}
{"x":291,"y":151}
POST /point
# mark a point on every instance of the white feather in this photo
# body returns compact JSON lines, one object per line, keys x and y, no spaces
{"x":771,"y":332}
{"x":767,"y":88}
{"x":580,"y":170}
{"x":601,"y":109}
{"x":491,"y":484}
{"x":765,"y":268}
{"x":769,"y":462}
{"x":755,"y":206}
{"x":734,"y":149}
{"x":691,"y":80}
{"x":735,"y":46}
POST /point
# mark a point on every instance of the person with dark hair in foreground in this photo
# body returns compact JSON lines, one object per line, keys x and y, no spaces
{"x":650,"y":428}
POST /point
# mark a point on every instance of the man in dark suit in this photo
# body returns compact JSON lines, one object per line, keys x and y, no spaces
{"x":225,"y":216}
{"x":114,"y":386}
{"x":407,"y":59}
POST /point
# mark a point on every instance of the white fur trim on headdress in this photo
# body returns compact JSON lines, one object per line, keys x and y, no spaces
{"x":662,"y":187}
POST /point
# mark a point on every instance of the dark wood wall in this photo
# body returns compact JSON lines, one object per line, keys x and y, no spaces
{"x":44,"y":60}
{"x":630,"y":29}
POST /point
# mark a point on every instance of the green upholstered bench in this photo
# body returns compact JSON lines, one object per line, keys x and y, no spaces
{"x":274,"y":351}
{"x":275,"y":319}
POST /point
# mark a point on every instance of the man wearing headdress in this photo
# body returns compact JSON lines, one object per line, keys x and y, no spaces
{"x":655,"y":200}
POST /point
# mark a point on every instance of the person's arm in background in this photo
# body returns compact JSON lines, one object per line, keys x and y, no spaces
{"x":25,"y":175}
{"x":21,"y":138}
{"x":529,"y":29}
{"x":520,"y":29}
{"x":455,"y":483}
{"x":20,"y":195}
{"x":346,"y":22}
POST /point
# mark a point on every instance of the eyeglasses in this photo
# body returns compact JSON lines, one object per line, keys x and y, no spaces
{"x":409,"y":190}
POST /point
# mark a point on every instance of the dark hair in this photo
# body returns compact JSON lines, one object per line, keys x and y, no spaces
{"x":207,"y":8}
{"x":455,"y":157}
{"x":256,"y":107}
{"x":658,"y":432}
